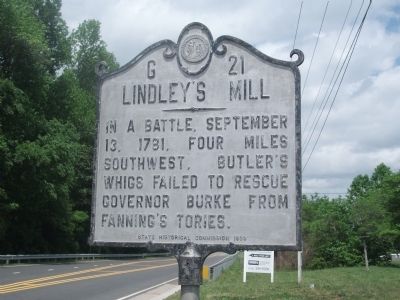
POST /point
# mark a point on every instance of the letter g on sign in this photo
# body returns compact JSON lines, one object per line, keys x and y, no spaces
{"x":151,"y":71}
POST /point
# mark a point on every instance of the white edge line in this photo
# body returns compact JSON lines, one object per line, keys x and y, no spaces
{"x":160,"y":284}
{"x":148,"y":289}
{"x":17,"y":265}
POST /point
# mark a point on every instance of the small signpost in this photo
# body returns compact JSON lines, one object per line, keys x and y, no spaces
{"x":198,"y":151}
{"x":258,"y":262}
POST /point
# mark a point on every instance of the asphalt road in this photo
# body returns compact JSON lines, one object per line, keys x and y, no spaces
{"x":89,"y":280}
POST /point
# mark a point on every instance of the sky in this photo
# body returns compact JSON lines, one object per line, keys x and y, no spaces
{"x":363,"y":126}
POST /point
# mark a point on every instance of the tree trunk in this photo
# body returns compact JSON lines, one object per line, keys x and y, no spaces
{"x":365,"y":255}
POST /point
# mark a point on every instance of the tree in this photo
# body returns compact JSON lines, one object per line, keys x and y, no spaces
{"x":46,"y":170}
{"x":381,"y":172}
{"x":24,"y":54}
{"x":77,"y":86}
{"x":363,"y":226}
{"x":328,"y":237}
{"x":391,"y":198}
{"x":371,"y":215}
{"x":370,"y":222}
{"x":89,"y":49}
{"x":48,"y":13}
{"x":73,"y":104}
{"x":359,"y":187}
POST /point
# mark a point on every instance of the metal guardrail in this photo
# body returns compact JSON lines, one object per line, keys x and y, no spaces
{"x":219,"y":267}
{"x":38,"y":257}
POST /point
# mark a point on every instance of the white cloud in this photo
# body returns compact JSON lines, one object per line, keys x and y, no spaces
{"x":362,"y":130}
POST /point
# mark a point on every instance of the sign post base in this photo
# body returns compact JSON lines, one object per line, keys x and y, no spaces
{"x":190,"y":264}
{"x":190,"y":292}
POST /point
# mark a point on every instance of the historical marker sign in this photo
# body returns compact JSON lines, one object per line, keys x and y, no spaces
{"x":199,"y":141}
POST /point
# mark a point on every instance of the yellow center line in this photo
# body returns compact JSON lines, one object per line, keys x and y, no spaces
{"x":28,"y":286}
{"x":47,"y":278}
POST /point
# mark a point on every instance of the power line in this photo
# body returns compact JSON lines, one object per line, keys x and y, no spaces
{"x":297,"y":27}
{"x":352,"y":47}
{"x":330,"y":87}
{"x":328,"y":66}
{"x":315,"y":47}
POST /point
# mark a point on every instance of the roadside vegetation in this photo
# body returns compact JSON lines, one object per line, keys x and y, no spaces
{"x":362,"y":227}
{"x":380,"y":282}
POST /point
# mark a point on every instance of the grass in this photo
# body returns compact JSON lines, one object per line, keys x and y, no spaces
{"x":335,"y":283}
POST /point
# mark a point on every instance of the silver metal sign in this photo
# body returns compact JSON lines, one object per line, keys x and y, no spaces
{"x":199,"y":142}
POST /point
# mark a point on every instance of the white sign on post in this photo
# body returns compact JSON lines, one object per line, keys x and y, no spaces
{"x":258,"y":262}
{"x":193,"y":138}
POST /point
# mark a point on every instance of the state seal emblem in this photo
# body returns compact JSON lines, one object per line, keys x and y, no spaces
{"x":194,"y":49}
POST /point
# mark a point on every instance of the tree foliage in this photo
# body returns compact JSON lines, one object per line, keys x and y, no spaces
{"x":371,"y":214}
{"x":88,"y":49}
{"x":337,"y":231}
{"x":327,"y":233}
{"x":47,"y":119}
{"x":55,"y":30}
